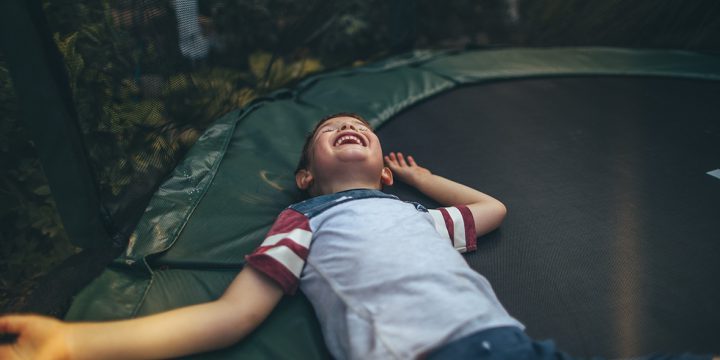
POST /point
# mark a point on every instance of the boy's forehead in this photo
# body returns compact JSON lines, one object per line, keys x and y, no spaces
{"x":342,"y":119}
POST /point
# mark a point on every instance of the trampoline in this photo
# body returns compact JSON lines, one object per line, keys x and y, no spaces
{"x":609,"y":246}
{"x":603,"y":157}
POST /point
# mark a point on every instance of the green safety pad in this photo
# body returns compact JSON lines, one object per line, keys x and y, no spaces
{"x":222,"y":198}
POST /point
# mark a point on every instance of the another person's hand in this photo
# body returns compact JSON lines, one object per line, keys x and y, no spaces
{"x":405,"y":169}
{"x":38,"y":337}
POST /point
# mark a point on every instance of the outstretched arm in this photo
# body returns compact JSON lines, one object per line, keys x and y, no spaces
{"x":487,"y":211}
{"x":203,"y":327}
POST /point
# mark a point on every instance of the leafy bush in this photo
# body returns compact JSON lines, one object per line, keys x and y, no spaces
{"x":32,"y":239}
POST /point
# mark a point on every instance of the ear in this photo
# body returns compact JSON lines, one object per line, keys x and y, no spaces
{"x":386,"y":176}
{"x":303,"y":179}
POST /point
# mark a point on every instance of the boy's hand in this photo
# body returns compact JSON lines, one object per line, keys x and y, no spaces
{"x":38,"y":337}
{"x":487,"y":211}
{"x":196,"y":328}
{"x":408,"y":171}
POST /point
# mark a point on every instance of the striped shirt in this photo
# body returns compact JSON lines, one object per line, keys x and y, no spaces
{"x":385,"y":276}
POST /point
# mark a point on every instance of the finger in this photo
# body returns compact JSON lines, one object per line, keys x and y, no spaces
{"x":7,"y":352}
{"x":401,"y":159}
{"x":411,"y":161}
{"x":11,"y":324}
{"x":390,"y":159}
{"x":388,"y":162}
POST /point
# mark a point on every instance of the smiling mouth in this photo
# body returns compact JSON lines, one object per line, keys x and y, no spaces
{"x":349,"y":139}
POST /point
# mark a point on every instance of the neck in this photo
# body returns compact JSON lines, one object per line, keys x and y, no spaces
{"x":331,"y":188}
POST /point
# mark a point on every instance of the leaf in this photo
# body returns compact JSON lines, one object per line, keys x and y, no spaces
{"x":258,"y":62}
{"x":43,"y":190}
{"x":73,"y":61}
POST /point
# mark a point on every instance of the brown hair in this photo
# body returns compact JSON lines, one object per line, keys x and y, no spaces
{"x":305,"y":156}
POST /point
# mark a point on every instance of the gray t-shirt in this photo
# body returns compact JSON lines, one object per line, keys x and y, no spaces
{"x":385,"y":276}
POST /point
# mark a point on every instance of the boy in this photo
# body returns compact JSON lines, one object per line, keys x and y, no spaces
{"x":382,"y":274}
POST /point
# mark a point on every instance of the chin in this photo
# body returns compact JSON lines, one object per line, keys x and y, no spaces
{"x":353,"y":155}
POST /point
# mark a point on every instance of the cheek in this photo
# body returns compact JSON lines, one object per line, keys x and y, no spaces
{"x":378,"y":147}
{"x":319,"y":156}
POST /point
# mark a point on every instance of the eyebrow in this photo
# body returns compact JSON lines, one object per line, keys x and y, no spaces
{"x":356,"y":121}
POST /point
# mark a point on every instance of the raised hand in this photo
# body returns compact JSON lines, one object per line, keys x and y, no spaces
{"x":487,"y":211}
{"x":405,"y":168}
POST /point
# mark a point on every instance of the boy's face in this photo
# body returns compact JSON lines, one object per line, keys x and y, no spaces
{"x":345,"y":148}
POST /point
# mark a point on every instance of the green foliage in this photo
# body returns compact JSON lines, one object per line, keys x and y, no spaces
{"x":32,"y":239}
{"x":640,"y":24}
{"x":270,"y":73}
{"x":138,"y":121}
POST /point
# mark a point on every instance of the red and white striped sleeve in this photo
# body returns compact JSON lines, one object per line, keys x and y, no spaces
{"x":457,"y":225}
{"x":282,"y":254}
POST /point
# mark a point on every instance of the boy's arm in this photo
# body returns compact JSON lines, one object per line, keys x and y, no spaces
{"x":198,"y":328}
{"x":487,"y":211}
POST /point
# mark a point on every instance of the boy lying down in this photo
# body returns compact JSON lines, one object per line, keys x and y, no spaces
{"x":385,"y":277}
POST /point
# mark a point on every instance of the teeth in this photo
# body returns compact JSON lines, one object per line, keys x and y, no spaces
{"x":348,"y":138}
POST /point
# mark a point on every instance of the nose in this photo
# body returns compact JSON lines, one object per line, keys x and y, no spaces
{"x":347,"y":126}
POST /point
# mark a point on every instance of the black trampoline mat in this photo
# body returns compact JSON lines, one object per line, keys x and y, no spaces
{"x":612,"y":241}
